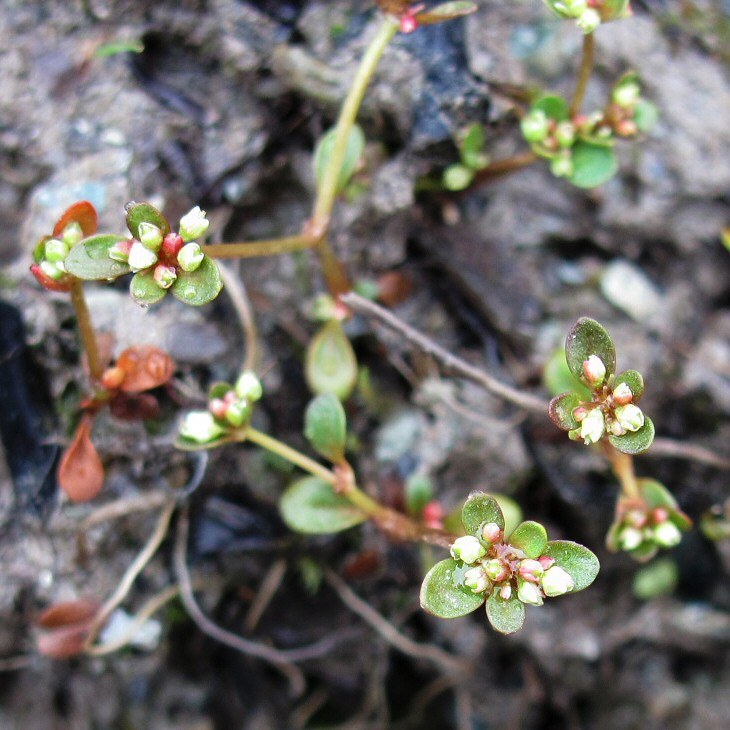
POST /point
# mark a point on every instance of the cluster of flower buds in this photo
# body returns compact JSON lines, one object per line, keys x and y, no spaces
{"x":165,"y":255}
{"x":589,"y":14}
{"x":229,"y":407}
{"x":496,"y":566}
{"x":49,"y":255}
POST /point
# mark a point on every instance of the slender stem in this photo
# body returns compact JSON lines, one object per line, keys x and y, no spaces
{"x":270,"y":247}
{"x":584,"y":73}
{"x":237,"y":293}
{"x":623,"y":467}
{"x":328,"y":188}
{"x":499,"y":168}
{"x":86,"y":329}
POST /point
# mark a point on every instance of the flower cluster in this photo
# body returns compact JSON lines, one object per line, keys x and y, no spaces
{"x":648,"y":522}
{"x":589,"y":14}
{"x":611,"y":411}
{"x":506,"y":573}
{"x":229,"y":408}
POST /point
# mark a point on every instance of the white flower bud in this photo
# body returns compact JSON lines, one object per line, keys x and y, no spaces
{"x":630,"y":417}
{"x":622,"y":394}
{"x":535,"y":126}
{"x":467,"y":549}
{"x":190,"y":257}
{"x":570,"y":8}
{"x":630,"y":538}
{"x":193,"y":224}
{"x":565,"y":134}
{"x":237,"y":413}
{"x":557,"y":581}
{"x":165,"y":276}
{"x":52,"y":270}
{"x":627,"y":94}
{"x":496,"y":570}
{"x":55,"y":250}
{"x":667,"y":534}
{"x":588,"y":20}
{"x":475,"y":579}
{"x":72,"y":234}
{"x":200,"y":426}
{"x":150,"y":236}
{"x":529,"y":593}
{"x":248,"y":387}
{"x":530,"y":570}
{"x":562,"y":165}
{"x":592,"y":427}
{"x":140,"y":257}
{"x":505,"y":592}
{"x":492,"y":532}
{"x":594,"y":370}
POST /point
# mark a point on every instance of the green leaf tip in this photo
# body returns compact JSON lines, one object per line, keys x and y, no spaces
{"x":530,"y":537}
{"x":505,"y":615}
{"x":635,"y":442}
{"x":587,"y":337}
{"x":479,"y":509}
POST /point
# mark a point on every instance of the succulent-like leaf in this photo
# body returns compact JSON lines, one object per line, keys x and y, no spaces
{"x":511,"y":511}
{"x":530,"y":537}
{"x":646,"y":115}
{"x":145,"y":367}
{"x":593,"y":164}
{"x":331,"y":366}
{"x":578,"y":561}
{"x":586,"y":338}
{"x":198,"y":287}
{"x":144,"y":288}
{"x":472,"y":148}
{"x":81,"y":473}
{"x":505,"y":616}
{"x":554,"y":107}
{"x":89,"y":259}
{"x":311,"y":506}
{"x":82,"y":213}
{"x":561,"y":410}
{"x":145,"y":213}
{"x":655,"y":494}
{"x":645,"y":552}
{"x":64,"y":285}
{"x":353,"y":152}
{"x":325,"y":426}
{"x":446,"y":11}
{"x":633,"y":379}
{"x":635,"y":442}
{"x":558,"y":379}
{"x":660,"y":578}
{"x":443,"y":595}
{"x":219,"y":390}
{"x":478,"y":509}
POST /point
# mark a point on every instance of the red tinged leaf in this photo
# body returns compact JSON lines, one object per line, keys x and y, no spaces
{"x":82,"y":213}
{"x":146,"y":367}
{"x":134,"y":406}
{"x":66,"y":628}
{"x":47,"y":283}
{"x":81,"y":473}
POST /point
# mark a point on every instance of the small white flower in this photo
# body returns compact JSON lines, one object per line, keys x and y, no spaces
{"x":467,"y":549}
{"x":592,"y":427}
{"x":248,"y":387}
{"x":475,"y":579}
{"x":165,"y":276}
{"x":557,"y":581}
{"x":594,"y":370}
{"x":630,"y":417}
{"x":496,"y":570}
{"x":667,"y":534}
{"x":630,"y":538}
{"x":190,"y":257}
{"x":52,"y":270}
{"x":193,"y":224}
{"x":588,"y":20}
{"x":200,"y":426}
{"x":150,"y":236}
{"x":140,"y":257}
{"x":529,"y":593}
{"x":55,"y":250}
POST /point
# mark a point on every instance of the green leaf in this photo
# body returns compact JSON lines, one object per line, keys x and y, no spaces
{"x":457,"y":177}
{"x":613,"y":9}
{"x":655,"y":580}
{"x":145,"y":213}
{"x":418,"y":493}
{"x":331,"y":366}
{"x":478,"y":509}
{"x":655,"y":494}
{"x":593,"y":164}
{"x":185,"y":444}
{"x":443,"y":595}
{"x":558,"y":379}
{"x":89,"y":259}
{"x":555,"y":107}
{"x":144,"y":288}
{"x":200,"y":286}
{"x":311,"y":506}
{"x":645,"y":552}
{"x":505,"y":616}
{"x":646,"y":115}
{"x":530,"y":537}
{"x":511,"y":510}
{"x":115,"y":47}
{"x":586,"y":338}
{"x":633,"y":379}
{"x":561,"y":410}
{"x":472,"y":148}
{"x":446,"y":11}
{"x":353,"y":152}
{"x":578,"y":561}
{"x":325,"y":426}
{"x":635,"y":442}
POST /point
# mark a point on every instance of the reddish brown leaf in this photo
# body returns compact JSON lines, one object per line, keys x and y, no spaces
{"x":146,"y":367}
{"x":68,"y":612}
{"x":394,"y":288}
{"x":47,"y":283}
{"x":134,"y":406}
{"x":66,"y":627}
{"x":82,"y":213}
{"x":81,"y":473}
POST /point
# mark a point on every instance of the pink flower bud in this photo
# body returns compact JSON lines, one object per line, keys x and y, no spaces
{"x":594,"y":370}
{"x":218,"y":408}
{"x":492,"y":532}
{"x":546,"y":561}
{"x":530,"y":570}
{"x":505,"y":592}
{"x":622,"y":395}
{"x":171,"y":245}
{"x":659,"y":515}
